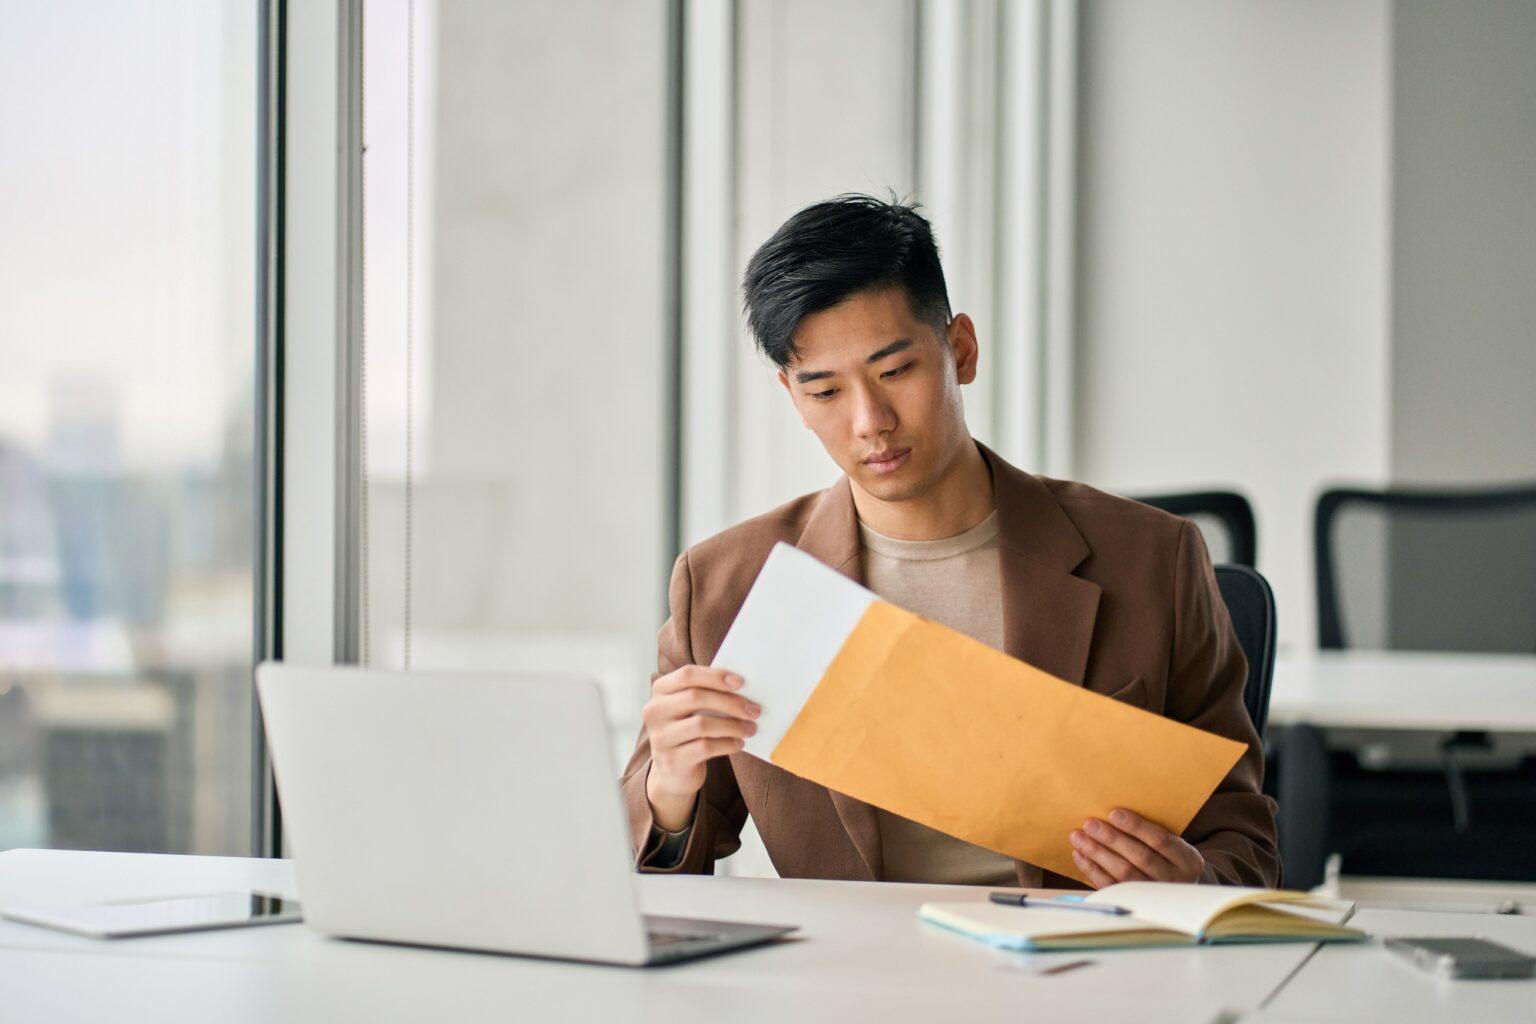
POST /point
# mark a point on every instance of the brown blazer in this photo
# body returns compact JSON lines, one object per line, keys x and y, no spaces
{"x":1098,"y":590}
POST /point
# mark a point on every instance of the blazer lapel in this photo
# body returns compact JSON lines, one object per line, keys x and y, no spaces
{"x":1048,"y":613}
{"x":832,"y":535}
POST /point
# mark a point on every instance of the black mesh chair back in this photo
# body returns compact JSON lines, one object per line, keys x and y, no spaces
{"x":1432,"y":570}
{"x":1251,"y":604}
{"x":1225,"y":520}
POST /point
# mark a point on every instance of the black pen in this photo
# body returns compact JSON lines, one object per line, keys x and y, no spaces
{"x":1018,"y":899}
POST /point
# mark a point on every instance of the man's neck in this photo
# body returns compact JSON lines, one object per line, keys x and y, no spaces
{"x":960,"y":499}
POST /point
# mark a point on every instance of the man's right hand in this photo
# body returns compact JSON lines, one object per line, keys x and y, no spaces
{"x":682,"y":739}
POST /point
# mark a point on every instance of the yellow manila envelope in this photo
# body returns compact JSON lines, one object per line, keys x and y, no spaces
{"x":873,"y":701}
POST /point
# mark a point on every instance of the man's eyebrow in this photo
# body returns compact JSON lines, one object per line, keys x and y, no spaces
{"x":889,"y":350}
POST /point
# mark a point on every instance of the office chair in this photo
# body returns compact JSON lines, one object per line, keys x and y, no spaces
{"x":1225,"y":520}
{"x":1251,"y":604}
{"x":1416,"y":569}
{"x":1427,"y":570}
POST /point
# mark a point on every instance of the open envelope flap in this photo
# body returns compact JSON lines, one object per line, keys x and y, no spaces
{"x":930,"y":724}
{"x":796,"y":618}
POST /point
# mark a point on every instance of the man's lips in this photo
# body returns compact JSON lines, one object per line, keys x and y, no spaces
{"x":884,"y":462}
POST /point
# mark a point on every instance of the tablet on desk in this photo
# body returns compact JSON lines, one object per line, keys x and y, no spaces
{"x":163,"y":915}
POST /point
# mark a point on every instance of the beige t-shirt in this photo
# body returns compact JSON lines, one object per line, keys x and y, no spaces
{"x":956,"y":581}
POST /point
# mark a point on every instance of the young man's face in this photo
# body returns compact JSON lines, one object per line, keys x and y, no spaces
{"x":881,"y":390}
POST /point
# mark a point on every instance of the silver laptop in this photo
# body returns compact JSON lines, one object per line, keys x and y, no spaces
{"x":466,"y":811}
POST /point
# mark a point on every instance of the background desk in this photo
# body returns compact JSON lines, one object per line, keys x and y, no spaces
{"x":1394,"y":710}
{"x":1405,"y":690}
{"x":864,"y":955}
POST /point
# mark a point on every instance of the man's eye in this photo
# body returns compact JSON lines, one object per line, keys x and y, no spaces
{"x":898,"y":371}
{"x":822,"y":396}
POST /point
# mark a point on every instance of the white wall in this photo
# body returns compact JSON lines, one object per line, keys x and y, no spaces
{"x":1464,"y":241}
{"x":1232,"y":289}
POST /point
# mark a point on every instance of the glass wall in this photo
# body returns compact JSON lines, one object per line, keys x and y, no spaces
{"x":127,"y":290}
{"x":515,"y":346}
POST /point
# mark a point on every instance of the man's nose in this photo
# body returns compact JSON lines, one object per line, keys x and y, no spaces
{"x":872,"y":416}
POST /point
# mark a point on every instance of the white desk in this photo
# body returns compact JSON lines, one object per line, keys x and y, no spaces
{"x":863,"y":956}
{"x":1409,"y":690}
{"x":1365,"y":982}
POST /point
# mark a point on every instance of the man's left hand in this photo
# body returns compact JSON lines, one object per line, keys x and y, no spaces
{"x":1129,"y":848}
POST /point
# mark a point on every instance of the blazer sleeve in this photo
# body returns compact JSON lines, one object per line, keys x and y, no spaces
{"x":1235,"y":830}
{"x":718,"y":816}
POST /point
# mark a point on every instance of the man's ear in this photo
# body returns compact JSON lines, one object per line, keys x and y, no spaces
{"x":784,"y":383}
{"x":964,"y":347}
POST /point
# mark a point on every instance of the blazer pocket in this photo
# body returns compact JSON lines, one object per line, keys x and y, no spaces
{"x":1133,"y":693}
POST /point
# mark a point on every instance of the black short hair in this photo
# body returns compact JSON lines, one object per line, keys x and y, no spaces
{"x":835,"y":249}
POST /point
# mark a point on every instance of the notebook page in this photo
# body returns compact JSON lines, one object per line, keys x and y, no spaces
{"x":1187,"y":907}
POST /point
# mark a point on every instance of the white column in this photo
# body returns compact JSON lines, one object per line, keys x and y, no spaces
{"x":313,"y":268}
{"x":940,"y":42}
{"x":1020,"y":244}
{"x":1060,"y":237}
{"x":709,"y":279}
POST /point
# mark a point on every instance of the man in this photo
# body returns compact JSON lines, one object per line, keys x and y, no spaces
{"x":848,"y":300}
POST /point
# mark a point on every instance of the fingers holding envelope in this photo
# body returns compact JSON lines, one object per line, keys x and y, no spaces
{"x":1129,"y":848}
{"x":695,"y":713}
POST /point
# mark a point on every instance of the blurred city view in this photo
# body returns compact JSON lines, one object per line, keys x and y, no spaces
{"x":127,"y":329}
{"x":125,"y":610}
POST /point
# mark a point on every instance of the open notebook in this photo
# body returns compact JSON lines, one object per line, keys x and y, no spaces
{"x":1162,"y":914}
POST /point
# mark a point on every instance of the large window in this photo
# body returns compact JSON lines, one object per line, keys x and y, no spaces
{"x":127,"y":340}
{"x":515,"y":355}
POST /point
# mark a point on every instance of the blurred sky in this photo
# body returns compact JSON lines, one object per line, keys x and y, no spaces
{"x":127,"y":222}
